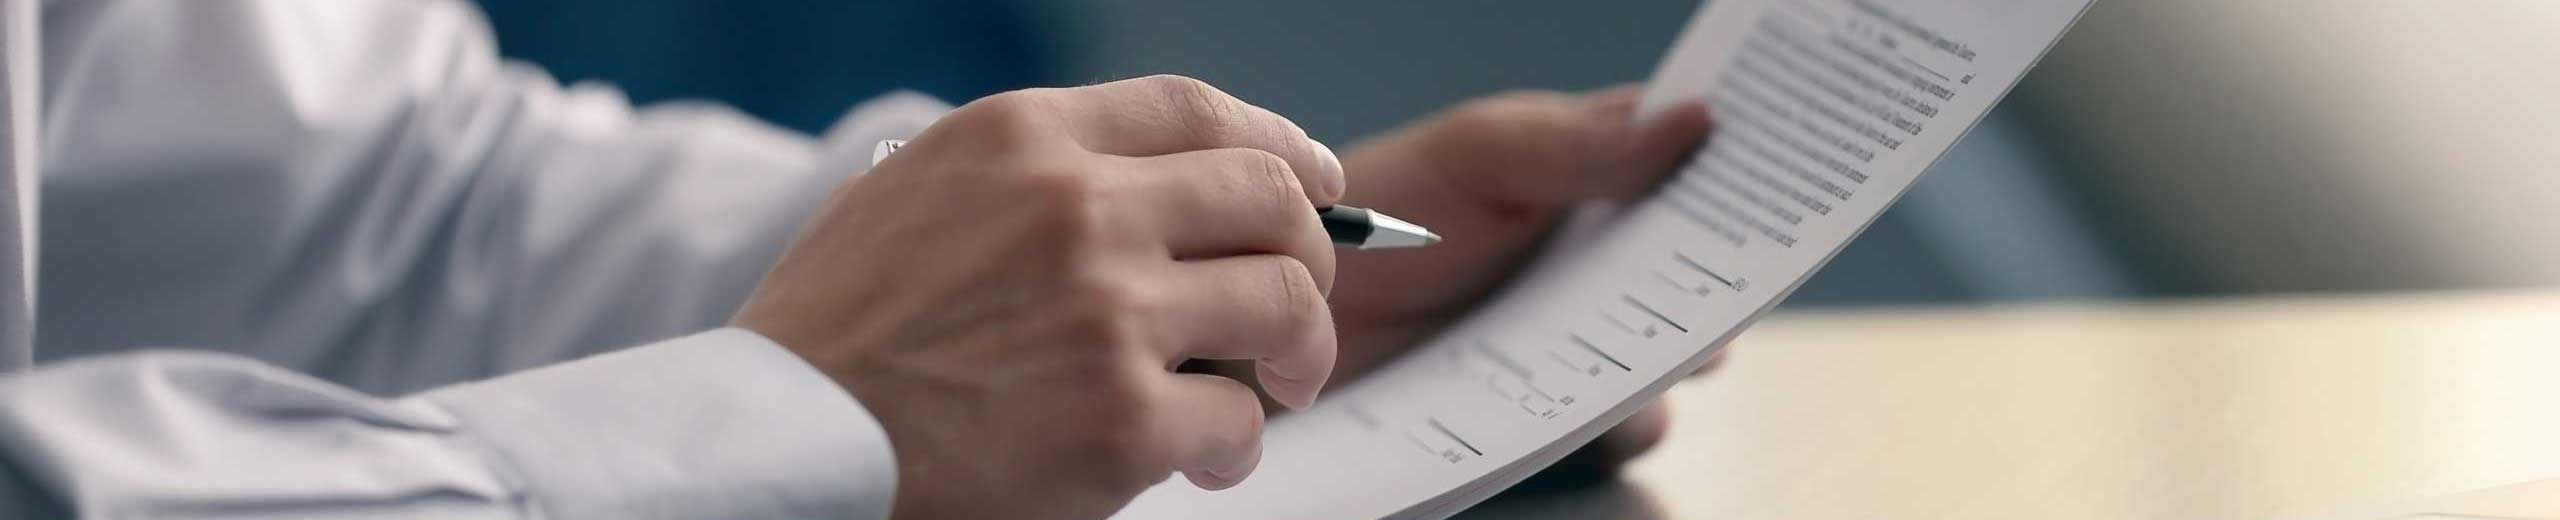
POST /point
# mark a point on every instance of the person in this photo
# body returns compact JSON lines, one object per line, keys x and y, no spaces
{"x":357,"y":198}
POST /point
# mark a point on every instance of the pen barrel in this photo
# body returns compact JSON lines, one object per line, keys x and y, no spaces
{"x":1347,"y":225}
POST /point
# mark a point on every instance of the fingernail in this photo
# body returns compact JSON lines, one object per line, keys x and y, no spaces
{"x":1233,"y":476}
{"x":1297,"y":394}
{"x":1335,"y":185}
{"x":1615,"y":110}
{"x":1210,"y":480}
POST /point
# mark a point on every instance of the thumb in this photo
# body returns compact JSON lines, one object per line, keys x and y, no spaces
{"x":1539,"y":151}
{"x":1636,"y":154}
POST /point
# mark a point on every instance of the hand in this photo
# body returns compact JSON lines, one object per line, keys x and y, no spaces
{"x":1009,"y":294}
{"x":1494,"y":176}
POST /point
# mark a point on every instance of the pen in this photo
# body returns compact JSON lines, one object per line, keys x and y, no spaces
{"x":1356,"y":228}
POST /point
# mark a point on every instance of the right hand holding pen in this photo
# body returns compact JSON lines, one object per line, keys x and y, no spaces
{"x":1010,"y":294}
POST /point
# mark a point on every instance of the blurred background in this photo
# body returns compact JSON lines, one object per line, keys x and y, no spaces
{"x":2167,"y":148}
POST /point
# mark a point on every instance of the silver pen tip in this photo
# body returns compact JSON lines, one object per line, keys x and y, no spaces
{"x":1395,"y":233}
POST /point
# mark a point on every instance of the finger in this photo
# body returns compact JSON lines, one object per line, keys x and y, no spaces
{"x":1544,"y":150}
{"x":1212,"y":427}
{"x":1649,"y":427}
{"x":1261,"y":307}
{"x":1641,"y":432}
{"x":1159,"y":115}
{"x":1714,"y":361}
{"x":1645,"y":430}
{"x":1230,"y":201}
{"x":1660,"y":144}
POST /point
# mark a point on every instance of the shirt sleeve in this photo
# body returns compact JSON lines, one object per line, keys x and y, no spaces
{"x":344,"y":199}
{"x":722,"y":424}
{"x":365,"y":191}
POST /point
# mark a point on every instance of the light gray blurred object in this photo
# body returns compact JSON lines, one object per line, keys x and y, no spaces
{"x":2289,"y":145}
{"x":2004,"y":229}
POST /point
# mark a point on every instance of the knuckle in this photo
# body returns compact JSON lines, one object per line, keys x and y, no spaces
{"x":1129,"y":410}
{"x":1475,"y":117}
{"x":1203,"y":110}
{"x":1011,"y":121}
{"x":1064,"y":188}
{"x":1274,"y":175}
{"x":1519,"y":100}
{"x":1473,"y":135}
{"x":1302,"y":300}
{"x":1186,"y":91}
{"x":1501,"y":111}
{"x":1117,"y":314}
{"x":1008,"y":109}
{"x":1071,"y":203}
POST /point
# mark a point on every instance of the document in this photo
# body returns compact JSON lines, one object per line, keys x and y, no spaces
{"x":1825,"y":110}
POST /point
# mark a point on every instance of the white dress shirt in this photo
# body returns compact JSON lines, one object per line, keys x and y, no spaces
{"x":332,"y":201}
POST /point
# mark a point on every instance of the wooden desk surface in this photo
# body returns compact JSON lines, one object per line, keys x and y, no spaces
{"x":2247,"y":409}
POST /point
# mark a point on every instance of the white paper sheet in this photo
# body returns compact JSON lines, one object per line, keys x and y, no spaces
{"x":1826,"y":111}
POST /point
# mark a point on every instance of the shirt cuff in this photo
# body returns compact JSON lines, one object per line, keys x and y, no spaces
{"x":722,"y":424}
{"x":895,"y":115}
